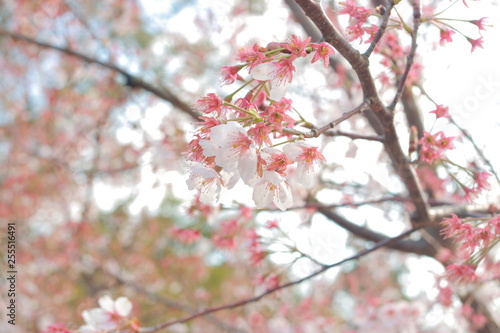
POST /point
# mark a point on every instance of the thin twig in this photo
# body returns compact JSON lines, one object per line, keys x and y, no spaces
{"x":478,"y":150}
{"x":385,"y":242}
{"x":411,"y":55}
{"x":314,"y":133}
{"x":170,"y":303}
{"x":381,"y":30}
{"x":468,"y":136}
{"x":132,"y":80}
{"x":355,"y":136}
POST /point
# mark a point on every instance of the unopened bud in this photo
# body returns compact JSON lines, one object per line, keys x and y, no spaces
{"x":381,"y":10}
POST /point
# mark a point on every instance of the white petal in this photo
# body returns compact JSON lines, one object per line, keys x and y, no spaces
{"x":283,"y":197}
{"x":229,"y":179}
{"x":96,"y":317}
{"x":293,"y":151}
{"x":205,"y":172}
{"x":248,"y":167}
{"x":210,"y":192}
{"x":273,"y":177}
{"x":278,"y":89}
{"x":304,"y":174}
{"x":225,"y":158}
{"x":209,"y":147}
{"x":106,"y":303}
{"x":263,"y":72}
{"x":221,"y":134}
{"x":123,"y":306}
{"x":88,"y":329}
{"x":262,"y":194}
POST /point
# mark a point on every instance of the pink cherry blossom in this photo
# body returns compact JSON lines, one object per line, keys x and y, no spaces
{"x":57,"y":328}
{"x":187,"y":236}
{"x":479,"y":23}
{"x":260,"y":133}
{"x":252,"y":56}
{"x":297,"y":47}
{"x":279,"y":74}
{"x":108,"y":316}
{"x":306,"y":157}
{"x":276,"y":161}
{"x":229,"y":74}
{"x":441,"y":111}
{"x":323,"y":51}
{"x":460,"y":274}
{"x":210,"y":104}
{"x":445,"y":36}
{"x":277,"y":116}
{"x":475,"y":43}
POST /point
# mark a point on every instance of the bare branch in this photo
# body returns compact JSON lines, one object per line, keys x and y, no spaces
{"x":314,"y":133}
{"x":386,"y":242}
{"x":133,"y":81}
{"x":411,"y":55}
{"x":170,"y":303}
{"x":421,"y":246}
{"x":355,"y":136}
{"x":381,"y":30}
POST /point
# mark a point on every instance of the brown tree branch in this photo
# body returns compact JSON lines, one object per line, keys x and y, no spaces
{"x":386,"y":242}
{"x":315,"y":132}
{"x":312,"y":30}
{"x":355,"y":136}
{"x":360,"y":65}
{"x":132,"y":80}
{"x":421,"y":246}
{"x":409,"y":60}
{"x":381,"y":30}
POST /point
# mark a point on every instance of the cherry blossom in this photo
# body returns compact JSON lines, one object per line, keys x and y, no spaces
{"x":441,"y":111}
{"x":306,"y":157}
{"x":272,"y":188}
{"x":207,"y":180}
{"x":460,"y":274}
{"x":297,"y":47}
{"x":445,"y":36}
{"x":210,"y":104}
{"x":279,"y":74}
{"x":109,"y":316}
{"x":229,"y":74}
{"x":236,"y":151}
{"x":323,"y":51}
{"x":479,"y":23}
{"x":475,"y":43}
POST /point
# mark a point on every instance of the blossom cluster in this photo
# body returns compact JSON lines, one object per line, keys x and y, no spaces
{"x":110,"y":316}
{"x":358,"y":16}
{"x":434,"y":146}
{"x":235,"y":140}
{"x":446,"y":30}
{"x":476,"y":237}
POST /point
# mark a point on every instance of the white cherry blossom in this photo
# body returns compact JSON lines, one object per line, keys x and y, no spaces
{"x":207,"y":180}
{"x":236,"y":150}
{"x":306,"y":157}
{"x":108,"y":316}
{"x":272,"y":188}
